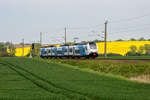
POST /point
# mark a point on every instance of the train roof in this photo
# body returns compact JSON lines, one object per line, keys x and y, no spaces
{"x":47,"y":46}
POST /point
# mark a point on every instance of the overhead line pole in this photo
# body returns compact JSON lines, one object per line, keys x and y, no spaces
{"x":40,"y":38}
{"x":65,"y":35}
{"x":105,"y":40}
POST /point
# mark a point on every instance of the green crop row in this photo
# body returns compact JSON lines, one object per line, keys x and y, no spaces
{"x":69,"y":82}
{"x":13,"y":86}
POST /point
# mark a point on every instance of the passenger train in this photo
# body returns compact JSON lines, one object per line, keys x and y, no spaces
{"x":88,"y":50}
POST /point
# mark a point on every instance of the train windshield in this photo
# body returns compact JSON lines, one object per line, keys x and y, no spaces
{"x":92,"y":45}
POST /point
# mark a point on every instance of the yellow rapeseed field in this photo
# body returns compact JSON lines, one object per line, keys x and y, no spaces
{"x":118,"y":47}
{"x":19,"y":51}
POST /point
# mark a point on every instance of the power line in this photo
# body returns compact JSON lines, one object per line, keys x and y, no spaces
{"x":85,"y":27}
{"x":130,"y":19}
{"x":147,"y":27}
{"x":65,"y":35}
{"x":134,"y":27}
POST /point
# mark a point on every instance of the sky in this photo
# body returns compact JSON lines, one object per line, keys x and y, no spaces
{"x":83,"y":19}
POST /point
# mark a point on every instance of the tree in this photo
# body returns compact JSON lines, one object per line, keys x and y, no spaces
{"x":120,"y":40}
{"x":132,"y":51}
{"x":3,"y":49}
{"x":141,"y":39}
{"x":7,"y":43}
{"x":141,"y":50}
{"x":12,"y":49}
{"x":132,"y":39}
{"x":147,"y":49}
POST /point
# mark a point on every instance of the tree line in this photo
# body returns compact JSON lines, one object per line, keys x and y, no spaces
{"x":143,"y":50}
{"x":7,"y":49}
{"x":131,"y":39}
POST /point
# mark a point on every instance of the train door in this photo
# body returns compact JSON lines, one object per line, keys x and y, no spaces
{"x":55,"y":51}
{"x":86,"y":50}
{"x":77,"y":50}
{"x":70,"y":50}
{"x":48,"y":51}
{"x":42,"y":52}
{"x":74,"y":50}
{"x":63,"y":50}
{"x":83,"y":50}
{"x":59,"y":51}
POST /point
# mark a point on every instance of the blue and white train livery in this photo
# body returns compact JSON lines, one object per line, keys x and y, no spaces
{"x":81,"y":50}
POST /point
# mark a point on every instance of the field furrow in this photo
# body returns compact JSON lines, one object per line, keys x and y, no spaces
{"x":45,"y":84}
{"x":57,"y":81}
{"x":20,"y":87}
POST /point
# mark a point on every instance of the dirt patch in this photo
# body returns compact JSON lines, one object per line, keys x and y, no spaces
{"x":143,"y":78}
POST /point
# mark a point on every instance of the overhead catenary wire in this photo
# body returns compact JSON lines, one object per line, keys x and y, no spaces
{"x":94,"y":29}
{"x":131,"y":29}
{"x":134,"y":26}
{"x":85,"y":27}
{"x":130,"y":19}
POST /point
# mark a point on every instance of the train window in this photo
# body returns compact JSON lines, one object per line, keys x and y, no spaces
{"x":86,"y":48}
{"x":53,"y":50}
{"x":77,"y":51}
{"x":45,"y":52}
{"x":70,"y":50}
{"x":59,"y":52}
{"x":92,"y":45}
{"x":49,"y":51}
{"x":66,"y":50}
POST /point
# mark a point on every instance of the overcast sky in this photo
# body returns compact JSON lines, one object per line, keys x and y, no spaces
{"x":83,"y":18}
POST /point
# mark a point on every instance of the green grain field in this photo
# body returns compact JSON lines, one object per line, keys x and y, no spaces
{"x":36,"y":79}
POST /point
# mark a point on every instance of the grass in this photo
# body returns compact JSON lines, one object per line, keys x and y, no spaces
{"x":123,"y":69}
{"x":126,"y":57}
{"x":44,"y":80}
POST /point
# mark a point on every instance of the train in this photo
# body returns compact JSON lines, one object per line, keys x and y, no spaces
{"x":88,"y":50}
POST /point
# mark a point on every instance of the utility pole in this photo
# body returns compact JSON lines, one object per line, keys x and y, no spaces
{"x":105,"y":40}
{"x":65,"y":35}
{"x":23,"y":47}
{"x":40,"y":38}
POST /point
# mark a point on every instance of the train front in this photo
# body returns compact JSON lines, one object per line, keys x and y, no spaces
{"x":93,"y":49}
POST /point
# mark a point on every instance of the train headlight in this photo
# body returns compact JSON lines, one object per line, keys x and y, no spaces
{"x":94,"y":54}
